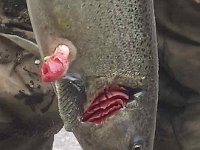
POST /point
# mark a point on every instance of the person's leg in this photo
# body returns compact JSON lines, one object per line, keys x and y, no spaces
{"x":28,"y":108}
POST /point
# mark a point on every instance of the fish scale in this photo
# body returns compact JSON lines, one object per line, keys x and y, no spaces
{"x":67,"y":104}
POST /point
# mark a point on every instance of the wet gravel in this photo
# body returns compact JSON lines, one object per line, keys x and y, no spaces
{"x":65,"y":141}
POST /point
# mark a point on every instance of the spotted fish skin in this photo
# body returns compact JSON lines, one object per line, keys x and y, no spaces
{"x":116,"y":44}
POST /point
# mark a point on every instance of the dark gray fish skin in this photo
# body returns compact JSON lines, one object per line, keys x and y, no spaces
{"x":116,"y":44}
{"x":70,"y":97}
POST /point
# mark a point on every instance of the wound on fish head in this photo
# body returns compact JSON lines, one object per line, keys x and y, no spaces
{"x":57,"y":64}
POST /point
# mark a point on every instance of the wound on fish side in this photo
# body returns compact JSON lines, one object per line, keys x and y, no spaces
{"x":107,"y":102}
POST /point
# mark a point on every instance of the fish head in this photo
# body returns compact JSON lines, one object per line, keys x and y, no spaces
{"x":116,"y":62}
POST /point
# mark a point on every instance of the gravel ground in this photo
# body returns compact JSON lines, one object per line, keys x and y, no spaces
{"x":65,"y":141}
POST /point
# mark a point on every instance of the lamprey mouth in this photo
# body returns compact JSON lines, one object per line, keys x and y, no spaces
{"x":107,"y":102}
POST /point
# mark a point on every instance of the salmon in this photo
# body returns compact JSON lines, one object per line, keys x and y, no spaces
{"x":108,"y":98}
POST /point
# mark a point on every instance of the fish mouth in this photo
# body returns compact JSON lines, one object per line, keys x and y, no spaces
{"x":107,"y":102}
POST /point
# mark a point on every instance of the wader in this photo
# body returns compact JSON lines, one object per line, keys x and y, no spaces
{"x":178,"y":119}
{"x":28,"y":108}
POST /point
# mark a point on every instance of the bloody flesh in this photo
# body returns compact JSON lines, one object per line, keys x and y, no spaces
{"x":106,"y":104}
{"x":56,"y":65}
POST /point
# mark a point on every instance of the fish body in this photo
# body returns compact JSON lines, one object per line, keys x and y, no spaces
{"x":115,"y":47}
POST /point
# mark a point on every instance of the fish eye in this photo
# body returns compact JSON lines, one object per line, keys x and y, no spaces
{"x":137,"y":147}
{"x":137,"y":143}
